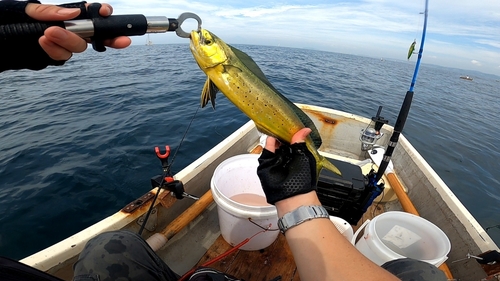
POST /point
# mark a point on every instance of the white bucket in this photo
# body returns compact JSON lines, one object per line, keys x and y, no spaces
{"x":395,"y":235}
{"x":238,"y":175}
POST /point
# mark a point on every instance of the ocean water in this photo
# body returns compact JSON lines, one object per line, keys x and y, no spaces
{"x":77,"y":141}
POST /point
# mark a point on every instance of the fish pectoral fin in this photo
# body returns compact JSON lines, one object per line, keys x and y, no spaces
{"x":232,"y":69}
{"x":208,"y":93}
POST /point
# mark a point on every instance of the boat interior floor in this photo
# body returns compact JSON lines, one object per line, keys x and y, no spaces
{"x":266,"y":264}
{"x":201,"y":242}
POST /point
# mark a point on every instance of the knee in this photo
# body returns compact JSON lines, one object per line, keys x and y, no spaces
{"x":411,"y":269}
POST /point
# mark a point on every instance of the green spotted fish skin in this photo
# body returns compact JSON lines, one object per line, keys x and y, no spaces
{"x":238,"y":77}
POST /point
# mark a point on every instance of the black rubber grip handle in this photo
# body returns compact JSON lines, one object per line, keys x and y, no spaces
{"x":122,"y":25}
{"x":25,"y":30}
{"x":103,"y":28}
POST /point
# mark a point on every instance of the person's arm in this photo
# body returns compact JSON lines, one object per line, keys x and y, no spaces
{"x":56,"y":45}
{"x":319,"y":250}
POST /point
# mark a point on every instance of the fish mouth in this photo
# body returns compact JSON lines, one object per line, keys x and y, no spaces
{"x":196,"y":36}
{"x":195,"y":42}
{"x":205,"y":49}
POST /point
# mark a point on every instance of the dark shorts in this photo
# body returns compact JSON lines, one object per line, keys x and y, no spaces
{"x":120,"y":255}
{"x":414,"y":270}
{"x":123,"y":255}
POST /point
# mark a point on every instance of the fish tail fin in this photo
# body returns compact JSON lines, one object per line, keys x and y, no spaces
{"x":329,"y":166}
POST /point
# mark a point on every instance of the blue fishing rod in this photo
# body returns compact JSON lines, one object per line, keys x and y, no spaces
{"x":400,"y":122}
{"x":405,"y":107}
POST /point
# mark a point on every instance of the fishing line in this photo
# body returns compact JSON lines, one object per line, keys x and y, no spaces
{"x":490,"y":227}
{"x":419,"y":22}
{"x":378,"y":203}
{"x":258,"y":225}
{"x":218,"y":132}
{"x":165,"y":174}
{"x":185,"y":133}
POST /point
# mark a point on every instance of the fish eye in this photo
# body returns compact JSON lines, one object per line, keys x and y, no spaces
{"x":208,"y":41}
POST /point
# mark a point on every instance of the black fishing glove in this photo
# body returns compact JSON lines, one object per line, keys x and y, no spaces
{"x":290,"y":171}
{"x":25,"y":52}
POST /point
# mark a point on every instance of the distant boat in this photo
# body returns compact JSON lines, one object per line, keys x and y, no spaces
{"x":466,"y":78}
{"x":148,"y":41}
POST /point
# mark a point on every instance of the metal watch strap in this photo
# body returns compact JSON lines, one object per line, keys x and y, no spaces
{"x":300,"y":215}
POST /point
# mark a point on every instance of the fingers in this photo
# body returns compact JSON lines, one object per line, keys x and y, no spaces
{"x":301,"y":135}
{"x":118,"y":42}
{"x":60,"y":44}
{"x":55,"y":13}
{"x":105,"y":10}
{"x":271,"y":144}
{"x":50,"y":12}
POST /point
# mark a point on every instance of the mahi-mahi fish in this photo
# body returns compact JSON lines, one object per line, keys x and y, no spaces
{"x":411,"y":49}
{"x":238,"y":77}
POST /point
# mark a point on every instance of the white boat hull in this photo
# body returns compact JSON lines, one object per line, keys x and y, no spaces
{"x":340,"y":132}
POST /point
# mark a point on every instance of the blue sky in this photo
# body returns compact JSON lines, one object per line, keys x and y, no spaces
{"x":461,"y":33}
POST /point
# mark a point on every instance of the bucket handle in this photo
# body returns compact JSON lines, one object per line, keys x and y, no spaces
{"x":355,"y":236}
{"x":440,"y":262}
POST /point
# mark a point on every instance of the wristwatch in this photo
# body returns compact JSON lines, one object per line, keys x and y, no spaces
{"x":300,"y":215}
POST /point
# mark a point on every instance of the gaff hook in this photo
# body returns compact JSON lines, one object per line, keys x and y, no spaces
{"x":184,"y":16}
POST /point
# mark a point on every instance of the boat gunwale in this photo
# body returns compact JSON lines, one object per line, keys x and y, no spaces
{"x":69,"y":248}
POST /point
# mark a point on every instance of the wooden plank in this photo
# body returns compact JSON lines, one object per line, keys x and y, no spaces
{"x":266,"y":264}
{"x":275,"y":260}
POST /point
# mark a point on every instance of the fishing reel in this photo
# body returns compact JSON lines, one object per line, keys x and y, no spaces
{"x":372,"y":134}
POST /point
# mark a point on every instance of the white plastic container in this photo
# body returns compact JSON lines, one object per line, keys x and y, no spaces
{"x":394,"y":235}
{"x":343,"y":227}
{"x":238,"y":175}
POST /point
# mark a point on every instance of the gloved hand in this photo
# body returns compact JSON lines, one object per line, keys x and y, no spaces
{"x":15,"y":11}
{"x":288,"y":171}
{"x":27,"y":52}
{"x":56,"y":46}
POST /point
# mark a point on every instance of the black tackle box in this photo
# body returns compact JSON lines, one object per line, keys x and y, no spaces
{"x":344,"y":196}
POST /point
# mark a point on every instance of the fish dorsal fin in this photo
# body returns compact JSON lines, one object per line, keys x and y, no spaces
{"x":255,"y":69}
{"x":251,"y":65}
{"x":208,"y":93}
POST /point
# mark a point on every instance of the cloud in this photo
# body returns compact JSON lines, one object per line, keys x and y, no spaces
{"x":255,"y":12}
{"x":464,"y":30}
{"x":475,"y":62}
{"x":493,"y":43}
